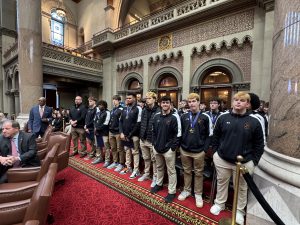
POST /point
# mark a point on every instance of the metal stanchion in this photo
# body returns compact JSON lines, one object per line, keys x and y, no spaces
{"x":239,"y":168}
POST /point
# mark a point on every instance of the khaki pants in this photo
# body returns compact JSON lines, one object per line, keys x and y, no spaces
{"x":193,"y":161}
{"x":148,"y":156}
{"x":162,"y":160}
{"x":116,"y":148}
{"x":75,"y":133}
{"x":133,"y":153}
{"x":224,"y":171}
{"x":106,"y":149}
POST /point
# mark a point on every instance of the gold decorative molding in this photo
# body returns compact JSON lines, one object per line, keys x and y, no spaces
{"x":165,"y":42}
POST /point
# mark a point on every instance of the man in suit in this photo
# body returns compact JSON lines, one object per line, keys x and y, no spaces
{"x":17,"y":148}
{"x":39,"y":118}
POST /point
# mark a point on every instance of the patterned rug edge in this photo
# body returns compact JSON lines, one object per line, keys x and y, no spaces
{"x":174,"y":212}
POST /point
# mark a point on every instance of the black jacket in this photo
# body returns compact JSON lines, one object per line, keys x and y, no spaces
{"x":197,"y":140}
{"x":27,"y":150}
{"x":78,"y":112}
{"x":89,"y":118}
{"x":238,"y":135}
{"x":57,"y":124}
{"x":147,"y":121}
{"x":166,"y":132}
{"x":101,"y":122}
{"x":115,"y":115}
{"x":130,"y":121}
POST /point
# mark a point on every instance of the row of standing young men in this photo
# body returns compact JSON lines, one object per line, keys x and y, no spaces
{"x":160,"y":131}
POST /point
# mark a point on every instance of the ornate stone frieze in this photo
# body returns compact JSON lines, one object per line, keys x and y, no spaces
{"x":139,"y":26}
{"x":100,"y":38}
{"x":11,"y":53}
{"x":122,"y":33}
{"x":190,"y":6}
{"x":129,"y":65}
{"x":230,"y":24}
{"x":70,"y":59}
{"x":163,"y":17}
{"x":241,"y":56}
{"x":8,"y":32}
{"x":165,"y":42}
{"x":137,"y":50}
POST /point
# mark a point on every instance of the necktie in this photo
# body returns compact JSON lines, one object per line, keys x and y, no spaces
{"x":14,"y":151}
{"x":41,"y":111}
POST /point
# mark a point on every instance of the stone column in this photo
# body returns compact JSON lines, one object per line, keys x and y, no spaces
{"x":146,"y":84}
{"x":277,"y":175}
{"x":186,"y":72}
{"x":257,"y":50}
{"x":109,"y":78}
{"x":29,"y":55}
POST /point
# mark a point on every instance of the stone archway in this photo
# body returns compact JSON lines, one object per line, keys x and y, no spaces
{"x":165,"y":70}
{"x":231,"y":67}
{"x":125,"y":82}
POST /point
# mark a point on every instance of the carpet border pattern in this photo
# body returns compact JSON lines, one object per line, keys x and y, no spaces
{"x":175,"y":212}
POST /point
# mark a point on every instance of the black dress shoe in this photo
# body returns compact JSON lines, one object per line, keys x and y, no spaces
{"x":74,"y":153}
{"x":169,"y":198}
{"x":155,"y":189}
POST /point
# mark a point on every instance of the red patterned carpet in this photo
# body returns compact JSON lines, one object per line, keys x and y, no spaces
{"x":85,"y":201}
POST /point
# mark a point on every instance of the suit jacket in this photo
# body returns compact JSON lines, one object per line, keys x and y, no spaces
{"x":27,"y":150}
{"x":35,"y":120}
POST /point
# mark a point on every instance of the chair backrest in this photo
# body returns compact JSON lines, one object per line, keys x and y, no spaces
{"x":64,"y":141}
{"x":39,"y":203}
{"x":50,"y":158}
{"x":47,"y":133}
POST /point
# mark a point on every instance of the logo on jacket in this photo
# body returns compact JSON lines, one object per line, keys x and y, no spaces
{"x":227,"y":122}
{"x":247,"y":126}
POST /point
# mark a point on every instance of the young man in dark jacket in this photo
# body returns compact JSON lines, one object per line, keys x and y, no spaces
{"x":237,"y":132}
{"x":166,"y":135}
{"x":114,"y":136}
{"x":77,"y":119}
{"x":130,"y":123}
{"x":89,"y":125}
{"x":148,"y":113}
{"x":101,"y":125}
{"x":196,"y":129}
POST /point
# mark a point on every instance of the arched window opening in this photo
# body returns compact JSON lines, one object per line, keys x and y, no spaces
{"x":134,"y":85}
{"x":168,"y":81}
{"x":57,"y":29}
{"x":216,"y":83}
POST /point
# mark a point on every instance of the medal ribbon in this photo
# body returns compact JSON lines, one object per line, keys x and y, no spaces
{"x":128,"y":110}
{"x":193,"y":122}
{"x":213,"y":118}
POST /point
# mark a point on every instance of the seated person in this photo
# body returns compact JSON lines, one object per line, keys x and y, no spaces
{"x":17,"y":149}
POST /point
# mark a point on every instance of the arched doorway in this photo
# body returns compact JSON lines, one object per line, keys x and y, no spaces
{"x":168,"y":85}
{"x":134,"y":86}
{"x":217,"y":82}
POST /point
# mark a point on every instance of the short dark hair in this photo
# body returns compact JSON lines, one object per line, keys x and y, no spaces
{"x":102,"y":102}
{"x":215,"y":99}
{"x":14,"y":124}
{"x":132,"y":94}
{"x":165,"y":98}
{"x":116,"y":97}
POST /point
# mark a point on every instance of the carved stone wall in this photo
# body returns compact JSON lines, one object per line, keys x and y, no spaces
{"x":241,"y":56}
{"x":174,"y":62}
{"x":121,"y":74}
{"x":133,"y":51}
{"x":227,"y":25}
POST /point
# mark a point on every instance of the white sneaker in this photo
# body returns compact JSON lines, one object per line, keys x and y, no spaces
{"x":216,"y":209}
{"x":240,"y":218}
{"x":183,"y":195}
{"x":119,"y":168}
{"x":134,"y":174}
{"x":113,"y":165}
{"x":143,"y":178}
{"x":199,"y":201}
{"x":153,"y":183}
